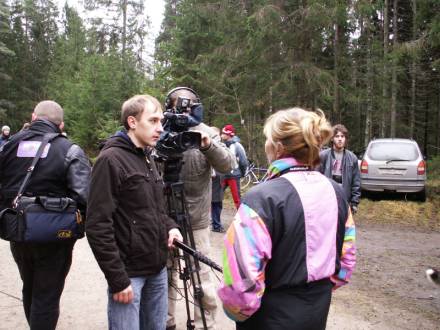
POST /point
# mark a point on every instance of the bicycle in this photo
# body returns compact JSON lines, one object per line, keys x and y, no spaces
{"x":254,"y":175}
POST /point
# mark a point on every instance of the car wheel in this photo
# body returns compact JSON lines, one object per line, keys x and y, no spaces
{"x":421,"y":195}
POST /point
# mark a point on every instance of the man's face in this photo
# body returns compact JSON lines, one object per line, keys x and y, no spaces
{"x":147,"y":129}
{"x":225,"y":137}
{"x":6,"y":132}
{"x":339,"y":141}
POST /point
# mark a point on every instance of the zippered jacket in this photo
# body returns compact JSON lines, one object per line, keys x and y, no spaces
{"x":291,"y":230}
{"x":127,"y":223}
{"x":351,"y":177}
{"x":62,"y":171}
{"x":240,"y":156}
{"x":196,"y":175}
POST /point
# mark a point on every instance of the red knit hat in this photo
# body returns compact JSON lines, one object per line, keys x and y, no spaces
{"x":229,"y":130}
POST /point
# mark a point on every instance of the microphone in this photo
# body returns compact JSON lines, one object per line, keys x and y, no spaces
{"x":197,"y":255}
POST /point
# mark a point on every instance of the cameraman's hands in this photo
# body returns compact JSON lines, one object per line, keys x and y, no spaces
{"x":174,"y":234}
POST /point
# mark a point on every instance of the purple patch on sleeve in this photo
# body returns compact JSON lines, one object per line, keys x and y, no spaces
{"x":30,"y":148}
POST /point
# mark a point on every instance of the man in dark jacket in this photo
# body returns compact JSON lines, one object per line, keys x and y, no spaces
{"x":62,"y":171}
{"x":127,"y":225}
{"x":232,"y":179}
{"x":341,"y":165}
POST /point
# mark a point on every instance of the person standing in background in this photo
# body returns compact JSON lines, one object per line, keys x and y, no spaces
{"x":6,"y":134}
{"x":341,"y":165}
{"x":232,"y":179}
{"x":217,"y":198}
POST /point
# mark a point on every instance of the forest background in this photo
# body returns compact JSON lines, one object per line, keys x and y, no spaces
{"x":372,"y":65}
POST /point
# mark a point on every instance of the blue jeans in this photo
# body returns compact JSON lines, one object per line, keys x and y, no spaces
{"x":216,"y":211}
{"x":147,"y":311}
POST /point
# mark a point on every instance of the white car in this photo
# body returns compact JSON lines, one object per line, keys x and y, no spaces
{"x":394,"y":165}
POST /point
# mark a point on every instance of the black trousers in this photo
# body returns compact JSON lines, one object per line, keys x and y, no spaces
{"x":43,"y":269}
{"x":299,"y":308}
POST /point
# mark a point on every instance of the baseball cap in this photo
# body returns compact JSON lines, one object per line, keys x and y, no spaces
{"x":228,"y":130}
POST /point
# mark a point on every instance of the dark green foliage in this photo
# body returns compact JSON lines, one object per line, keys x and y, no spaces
{"x":87,"y":70}
{"x":245,"y":58}
{"x":250,"y":58}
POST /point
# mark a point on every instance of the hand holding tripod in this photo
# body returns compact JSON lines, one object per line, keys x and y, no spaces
{"x":189,"y":273}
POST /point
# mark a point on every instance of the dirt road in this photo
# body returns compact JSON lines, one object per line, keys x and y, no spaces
{"x":388,"y":289}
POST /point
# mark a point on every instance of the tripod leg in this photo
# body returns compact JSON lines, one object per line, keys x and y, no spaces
{"x":176,"y":273}
{"x":201,"y":238}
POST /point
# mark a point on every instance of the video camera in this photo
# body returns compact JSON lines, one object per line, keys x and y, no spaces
{"x":177,"y":120}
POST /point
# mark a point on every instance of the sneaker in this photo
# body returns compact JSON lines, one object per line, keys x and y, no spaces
{"x":219,"y":230}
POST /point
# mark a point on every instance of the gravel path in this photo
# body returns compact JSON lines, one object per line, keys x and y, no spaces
{"x":388,"y":289}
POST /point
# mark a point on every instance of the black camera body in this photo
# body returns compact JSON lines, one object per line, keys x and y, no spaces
{"x":176,"y":138}
{"x":183,"y":104}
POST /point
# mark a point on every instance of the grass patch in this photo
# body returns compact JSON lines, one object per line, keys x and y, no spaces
{"x":409,"y":213}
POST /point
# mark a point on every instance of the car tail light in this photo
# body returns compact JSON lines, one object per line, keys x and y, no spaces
{"x":364,"y":167}
{"x":421,"y":168}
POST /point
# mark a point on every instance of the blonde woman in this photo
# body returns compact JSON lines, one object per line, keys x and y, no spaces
{"x":292,"y":240}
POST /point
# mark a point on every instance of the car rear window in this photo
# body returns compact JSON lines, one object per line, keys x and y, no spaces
{"x":393,"y":150}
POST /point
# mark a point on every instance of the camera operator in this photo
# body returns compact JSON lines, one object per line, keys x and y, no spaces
{"x":196,"y":177}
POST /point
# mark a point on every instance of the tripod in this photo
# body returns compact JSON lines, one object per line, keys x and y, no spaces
{"x":177,"y":210}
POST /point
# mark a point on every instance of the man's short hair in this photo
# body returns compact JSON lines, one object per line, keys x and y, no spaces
{"x":50,"y":111}
{"x":135,"y":106}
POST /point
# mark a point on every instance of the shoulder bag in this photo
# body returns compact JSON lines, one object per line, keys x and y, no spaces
{"x":41,"y":219}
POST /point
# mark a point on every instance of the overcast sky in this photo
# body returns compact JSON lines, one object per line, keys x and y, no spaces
{"x":153,"y":8}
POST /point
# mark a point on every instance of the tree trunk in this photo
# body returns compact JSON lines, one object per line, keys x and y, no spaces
{"x":386,"y":36}
{"x":336,"y":109}
{"x":368,"y":117}
{"x":394,"y":75}
{"x":425,"y":135}
{"x":438,"y":125}
{"x":124,"y":27}
{"x":413,"y":75}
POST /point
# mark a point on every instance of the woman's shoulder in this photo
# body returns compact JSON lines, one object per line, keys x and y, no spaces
{"x":273,"y":189}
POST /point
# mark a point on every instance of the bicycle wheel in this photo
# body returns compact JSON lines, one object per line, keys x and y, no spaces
{"x":245,"y":181}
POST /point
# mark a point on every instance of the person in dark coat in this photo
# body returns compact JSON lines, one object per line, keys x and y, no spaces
{"x":217,"y":197}
{"x":62,"y":171}
{"x":127,"y":225}
{"x":341,"y":165}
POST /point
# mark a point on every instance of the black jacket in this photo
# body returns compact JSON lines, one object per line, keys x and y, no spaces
{"x":127,"y":224}
{"x":351,"y":177}
{"x":63,"y":172}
